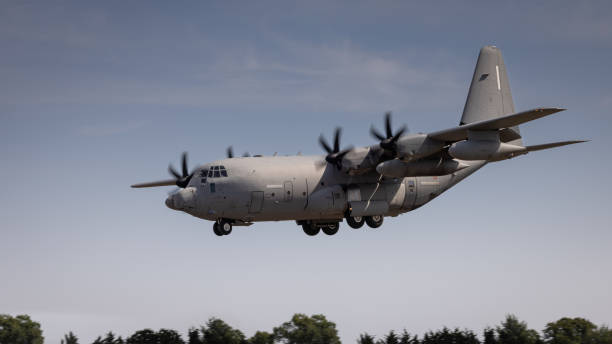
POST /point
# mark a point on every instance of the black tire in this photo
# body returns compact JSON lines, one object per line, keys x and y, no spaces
{"x":216,"y":229}
{"x":310,"y":230}
{"x":225,"y":227}
{"x":374,"y":221}
{"x":331,"y":229}
{"x":355,"y":221}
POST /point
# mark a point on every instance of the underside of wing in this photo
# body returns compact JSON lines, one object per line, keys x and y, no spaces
{"x":167,"y":182}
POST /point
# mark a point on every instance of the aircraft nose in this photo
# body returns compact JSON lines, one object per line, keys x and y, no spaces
{"x":170,"y":202}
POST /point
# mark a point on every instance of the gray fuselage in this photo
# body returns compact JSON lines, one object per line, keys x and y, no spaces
{"x":302,"y":188}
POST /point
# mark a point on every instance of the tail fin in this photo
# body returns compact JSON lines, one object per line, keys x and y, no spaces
{"x":489,"y":96}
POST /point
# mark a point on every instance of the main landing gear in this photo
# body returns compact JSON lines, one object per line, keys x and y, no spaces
{"x":356,"y":222}
{"x":313,"y":229}
{"x":374,"y":221}
{"x":222,"y":227}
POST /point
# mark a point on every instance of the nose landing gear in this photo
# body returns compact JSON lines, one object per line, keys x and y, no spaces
{"x":222,"y":227}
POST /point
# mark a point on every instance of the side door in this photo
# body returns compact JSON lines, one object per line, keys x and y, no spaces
{"x":256,"y":204}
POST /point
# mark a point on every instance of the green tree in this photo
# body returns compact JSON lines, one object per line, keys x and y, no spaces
{"x":146,"y":336}
{"x":19,"y":330}
{"x":455,"y":336}
{"x":601,"y":335}
{"x":261,"y":338}
{"x":194,"y":336}
{"x":365,"y":339}
{"x":390,"y":338}
{"x":303,"y":329}
{"x":70,"y":338}
{"x":568,"y":331}
{"x":109,"y":339}
{"x":489,"y":336}
{"x":406,"y":338}
{"x":217,"y":331}
{"x":513,"y":331}
{"x":165,"y":336}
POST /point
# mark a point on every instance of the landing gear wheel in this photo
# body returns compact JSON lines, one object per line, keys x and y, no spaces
{"x":310,"y":229}
{"x":225,"y":227}
{"x":216,"y":229}
{"x":355,"y":221}
{"x":374,"y":221}
{"x":331,"y":229}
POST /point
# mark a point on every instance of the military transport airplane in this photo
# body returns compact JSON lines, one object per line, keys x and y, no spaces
{"x":362,"y":185}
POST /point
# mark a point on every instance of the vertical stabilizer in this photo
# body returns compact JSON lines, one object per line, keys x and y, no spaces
{"x":489,"y":96}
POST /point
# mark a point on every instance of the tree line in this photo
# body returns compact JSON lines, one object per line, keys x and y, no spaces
{"x":316,"y":329}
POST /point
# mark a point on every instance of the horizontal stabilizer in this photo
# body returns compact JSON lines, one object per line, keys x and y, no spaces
{"x":461,"y":132}
{"x":552,"y":145}
{"x":158,"y":183}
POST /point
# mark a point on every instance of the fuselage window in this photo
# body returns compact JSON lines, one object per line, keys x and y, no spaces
{"x":216,"y":175}
{"x":223,"y":173}
{"x":203,"y":180}
{"x":210,"y":173}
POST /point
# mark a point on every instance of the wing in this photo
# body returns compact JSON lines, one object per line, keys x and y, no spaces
{"x":167,"y":182}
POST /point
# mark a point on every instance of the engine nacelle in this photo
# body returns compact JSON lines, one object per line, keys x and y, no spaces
{"x":484,"y":150}
{"x":398,"y":169}
{"x":416,"y":146}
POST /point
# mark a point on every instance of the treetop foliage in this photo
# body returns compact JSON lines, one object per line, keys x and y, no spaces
{"x":316,"y":329}
{"x":19,"y":330}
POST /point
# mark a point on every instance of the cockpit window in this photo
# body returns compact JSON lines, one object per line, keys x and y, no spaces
{"x":217,"y":172}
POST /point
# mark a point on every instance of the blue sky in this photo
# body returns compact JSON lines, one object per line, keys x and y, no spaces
{"x":97,"y":96}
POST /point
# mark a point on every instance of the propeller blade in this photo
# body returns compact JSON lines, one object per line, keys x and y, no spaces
{"x":154,"y":184}
{"x":337,"y":134}
{"x":173,"y":172}
{"x":399,"y":134}
{"x":388,"y":129}
{"x":376,"y":134}
{"x":183,"y":182}
{"x":340,"y":155}
{"x":184,"y":163}
{"x":230,"y":152}
{"x":324,"y":144}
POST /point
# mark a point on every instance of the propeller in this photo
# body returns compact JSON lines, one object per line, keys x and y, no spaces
{"x":230,"y":153}
{"x":389,"y":141}
{"x":334,"y":155}
{"x":181,"y":180}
